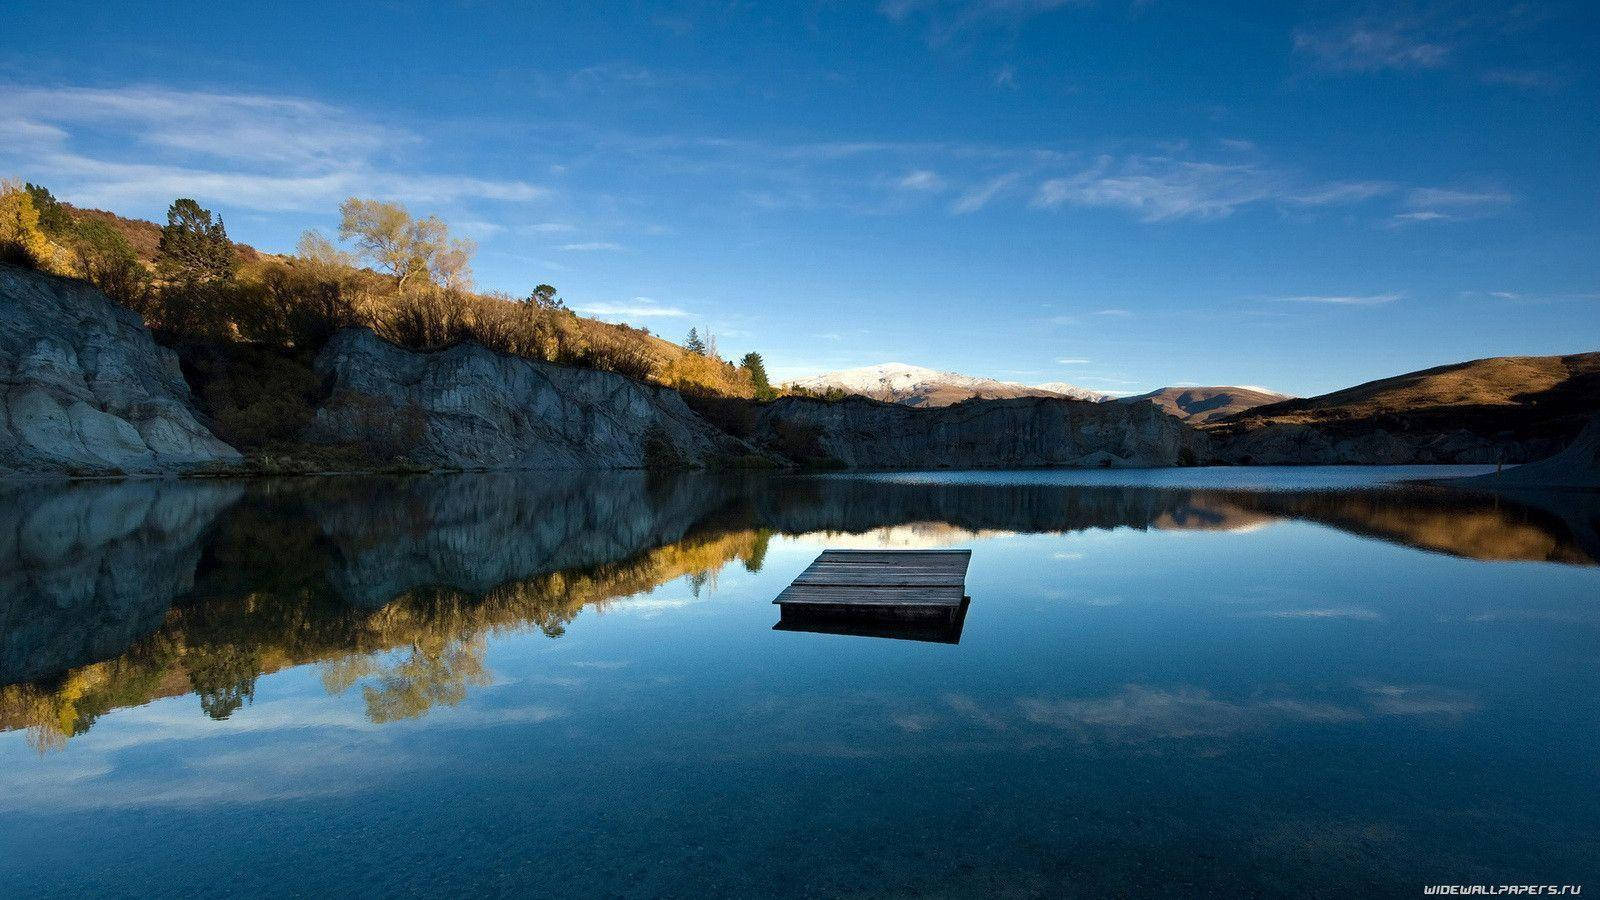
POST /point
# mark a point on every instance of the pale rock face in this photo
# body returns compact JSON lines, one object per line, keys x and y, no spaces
{"x":84,"y":389}
{"x":472,"y":408}
{"x":1021,"y":432}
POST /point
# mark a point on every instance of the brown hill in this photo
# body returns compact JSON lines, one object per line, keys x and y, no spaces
{"x":1196,"y":405}
{"x":1506,"y":408}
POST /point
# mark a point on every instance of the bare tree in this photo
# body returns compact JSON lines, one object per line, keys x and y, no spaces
{"x":405,"y":246}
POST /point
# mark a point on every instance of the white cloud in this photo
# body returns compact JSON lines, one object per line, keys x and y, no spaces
{"x":1425,"y":197}
{"x":637,"y":308}
{"x":921,"y":180}
{"x":945,"y":19}
{"x":587,"y":246}
{"x":1369,"y":46}
{"x":1159,"y":188}
{"x":546,"y":228}
{"x":1343,"y":299}
{"x":251,"y":151}
{"x":1073,"y":361}
{"x":1426,"y":215}
{"x":977,"y":197}
{"x":1114,"y":313}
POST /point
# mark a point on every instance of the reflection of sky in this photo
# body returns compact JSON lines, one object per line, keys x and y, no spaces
{"x":1113,"y":688}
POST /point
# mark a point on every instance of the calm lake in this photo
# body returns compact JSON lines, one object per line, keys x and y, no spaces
{"x":1225,"y":681}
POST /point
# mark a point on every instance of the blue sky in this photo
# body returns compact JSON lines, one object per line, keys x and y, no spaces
{"x":1120,"y":195}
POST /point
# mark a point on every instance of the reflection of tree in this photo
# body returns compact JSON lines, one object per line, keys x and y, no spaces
{"x":436,"y":672}
{"x":264,"y":609}
{"x":224,"y":678}
{"x":758,"y":550}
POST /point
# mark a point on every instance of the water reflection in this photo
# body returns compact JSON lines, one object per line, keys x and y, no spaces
{"x":113,"y":595}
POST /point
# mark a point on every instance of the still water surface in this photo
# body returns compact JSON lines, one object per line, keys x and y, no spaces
{"x":1231,"y":682}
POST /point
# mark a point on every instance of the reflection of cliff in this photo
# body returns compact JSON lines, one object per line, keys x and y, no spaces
{"x":858,"y":505}
{"x":116,"y":595}
{"x":272,"y":591}
{"x":1535,"y":527}
{"x":87,"y":568}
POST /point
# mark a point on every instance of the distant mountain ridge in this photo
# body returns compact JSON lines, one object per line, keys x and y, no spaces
{"x":920,"y":386}
{"x":1196,"y":405}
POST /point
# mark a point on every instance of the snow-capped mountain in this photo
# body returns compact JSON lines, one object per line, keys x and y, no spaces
{"x":920,"y":386}
{"x":1075,"y":392}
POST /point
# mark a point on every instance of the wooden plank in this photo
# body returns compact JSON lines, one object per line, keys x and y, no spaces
{"x":922,"y":585}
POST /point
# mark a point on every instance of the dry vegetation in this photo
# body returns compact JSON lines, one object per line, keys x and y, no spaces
{"x":194,"y":286}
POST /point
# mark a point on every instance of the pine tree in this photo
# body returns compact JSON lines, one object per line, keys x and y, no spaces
{"x":194,"y":248}
{"x":693,"y":344}
{"x":757,"y":367}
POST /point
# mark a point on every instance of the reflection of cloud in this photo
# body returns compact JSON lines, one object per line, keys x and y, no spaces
{"x":1328,"y":612}
{"x":1304,"y":711}
{"x":1418,"y":700}
{"x":974,"y":710}
{"x":912,"y":722}
{"x":1138,"y":713}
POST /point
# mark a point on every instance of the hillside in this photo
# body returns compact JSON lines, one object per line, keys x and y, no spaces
{"x":919,"y":386}
{"x":291,"y":303}
{"x":1197,"y":405}
{"x":1509,"y":408}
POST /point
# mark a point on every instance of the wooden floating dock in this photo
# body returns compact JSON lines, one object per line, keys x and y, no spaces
{"x":903,"y":586}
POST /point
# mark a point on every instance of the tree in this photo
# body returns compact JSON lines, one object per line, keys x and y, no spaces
{"x":693,"y":344}
{"x":757,"y":367}
{"x":544,"y":297}
{"x":404,"y":246}
{"x":21,"y":239}
{"x":319,"y":251}
{"x":108,"y":261}
{"x":53,"y":217}
{"x":193,"y":247}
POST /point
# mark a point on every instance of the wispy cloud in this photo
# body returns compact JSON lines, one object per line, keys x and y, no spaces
{"x":1433,"y":197}
{"x":1114,"y":313}
{"x":978,"y":196}
{"x":1073,"y":361}
{"x":637,"y":308}
{"x":922,"y":180}
{"x":1441,"y":204}
{"x":1158,"y":188}
{"x":943,"y":20}
{"x":588,"y":246}
{"x":253,"y":151}
{"x":1343,"y":299}
{"x":1425,"y":215}
{"x":546,"y":228}
{"x":1368,"y":46}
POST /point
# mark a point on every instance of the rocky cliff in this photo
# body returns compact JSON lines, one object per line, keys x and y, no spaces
{"x":84,"y":390}
{"x":1578,"y":466}
{"x":1029,"y":431}
{"x":472,"y":408}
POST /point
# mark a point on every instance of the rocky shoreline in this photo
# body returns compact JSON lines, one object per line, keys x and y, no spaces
{"x":85,"y":391}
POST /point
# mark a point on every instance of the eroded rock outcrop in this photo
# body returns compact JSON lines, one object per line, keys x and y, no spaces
{"x":1030,"y":431}
{"x":472,"y":408}
{"x":84,"y":390}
